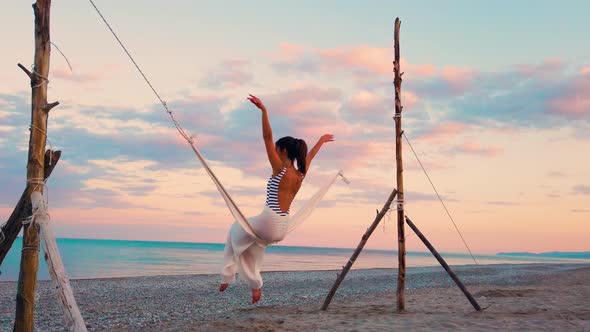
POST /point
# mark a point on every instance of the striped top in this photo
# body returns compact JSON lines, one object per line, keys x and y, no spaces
{"x":272,"y":193}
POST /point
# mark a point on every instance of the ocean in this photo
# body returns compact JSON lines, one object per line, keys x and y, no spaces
{"x":87,"y":258}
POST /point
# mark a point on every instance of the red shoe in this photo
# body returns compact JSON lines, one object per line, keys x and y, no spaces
{"x":256,"y":294}
{"x":223,"y":287}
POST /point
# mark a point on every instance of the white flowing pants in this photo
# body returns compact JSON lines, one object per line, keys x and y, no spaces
{"x":243,"y":254}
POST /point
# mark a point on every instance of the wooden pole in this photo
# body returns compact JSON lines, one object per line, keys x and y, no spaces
{"x":25,"y":297}
{"x":444,"y":264}
{"x":23,"y":208}
{"x":401,"y":237}
{"x":358,"y":250}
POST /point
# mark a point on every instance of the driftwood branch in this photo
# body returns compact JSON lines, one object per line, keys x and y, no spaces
{"x":23,"y":208}
{"x":340,"y":277}
{"x":49,"y":106}
{"x":444,"y":264}
{"x":401,"y":237}
{"x":29,"y":264}
{"x":26,"y":71}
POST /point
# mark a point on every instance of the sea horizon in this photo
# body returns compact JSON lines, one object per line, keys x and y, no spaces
{"x":113,"y":258}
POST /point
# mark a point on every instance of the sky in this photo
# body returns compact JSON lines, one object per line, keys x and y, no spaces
{"x":496,"y":103}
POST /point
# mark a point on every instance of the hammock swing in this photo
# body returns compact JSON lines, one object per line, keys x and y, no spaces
{"x":295,"y":221}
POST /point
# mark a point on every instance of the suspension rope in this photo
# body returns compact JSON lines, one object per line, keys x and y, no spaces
{"x":179,"y":128}
{"x":190,"y":140}
{"x":439,"y":198}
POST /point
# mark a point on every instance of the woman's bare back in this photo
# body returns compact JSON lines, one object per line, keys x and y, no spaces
{"x":288,"y":188}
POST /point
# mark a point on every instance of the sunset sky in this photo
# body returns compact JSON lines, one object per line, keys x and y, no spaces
{"x":496,"y":102}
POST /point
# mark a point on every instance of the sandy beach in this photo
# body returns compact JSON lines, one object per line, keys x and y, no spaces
{"x":531,"y":297}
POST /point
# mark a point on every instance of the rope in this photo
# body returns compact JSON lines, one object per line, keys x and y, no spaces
{"x":44,"y":80}
{"x":179,"y":128}
{"x":41,"y":181}
{"x":439,"y":198}
{"x":46,"y":138}
{"x":189,"y":139}
{"x":62,"y":54}
{"x":28,"y":220}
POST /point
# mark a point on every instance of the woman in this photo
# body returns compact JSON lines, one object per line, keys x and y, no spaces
{"x":243,"y":253}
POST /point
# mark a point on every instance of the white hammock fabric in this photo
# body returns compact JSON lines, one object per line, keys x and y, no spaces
{"x":72,"y":316}
{"x":305,"y":211}
{"x":297,"y":219}
{"x":244,"y":253}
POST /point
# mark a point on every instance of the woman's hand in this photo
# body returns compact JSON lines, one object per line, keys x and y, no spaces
{"x":327,"y":138}
{"x":316,"y":148}
{"x":254,"y":100}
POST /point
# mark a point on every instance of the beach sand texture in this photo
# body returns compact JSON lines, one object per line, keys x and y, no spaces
{"x":531,"y":297}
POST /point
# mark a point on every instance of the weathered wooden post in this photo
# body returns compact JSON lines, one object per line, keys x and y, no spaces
{"x":359,"y":248}
{"x":25,"y":298}
{"x":401,"y":237}
{"x":444,"y":264}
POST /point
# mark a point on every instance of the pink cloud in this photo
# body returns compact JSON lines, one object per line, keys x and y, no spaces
{"x":355,"y":154}
{"x":236,"y":62}
{"x":475,"y":148}
{"x":75,"y":76}
{"x":231,"y":73}
{"x":430,"y":165}
{"x":364,"y":60}
{"x":545,"y":70}
{"x":453,"y":74}
{"x":585,"y":70}
{"x":409,"y":99}
{"x":365,"y":101}
{"x":289,"y":51}
{"x":426,"y":70}
{"x":444,"y":132}
{"x":375,"y":60}
{"x":370,"y":107}
{"x":460,"y":79}
{"x":575,"y":101}
{"x":311,"y":129}
{"x":301,"y":99}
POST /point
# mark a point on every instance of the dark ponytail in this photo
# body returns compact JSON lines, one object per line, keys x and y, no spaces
{"x":296,"y":150}
{"x":302,"y":156}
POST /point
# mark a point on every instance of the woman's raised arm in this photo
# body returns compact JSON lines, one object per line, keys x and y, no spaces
{"x":316,"y":148}
{"x":273,"y":156}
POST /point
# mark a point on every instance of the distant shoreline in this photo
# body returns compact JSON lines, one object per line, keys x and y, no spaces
{"x":91,"y":259}
{"x":551,"y":254}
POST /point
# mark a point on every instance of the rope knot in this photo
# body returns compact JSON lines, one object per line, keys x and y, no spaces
{"x":191,"y":139}
{"x":39,"y":209}
{"x":44,"y":80}
{"x":28,"y":220}
{"x":341,"y":174}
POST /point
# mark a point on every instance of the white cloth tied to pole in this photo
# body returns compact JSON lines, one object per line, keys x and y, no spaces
{"x":305,"y":211}
{"x":297,"y":219}
{"x":72,"y":317}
